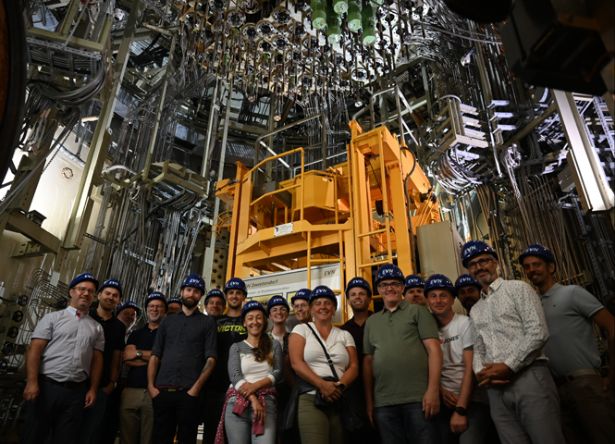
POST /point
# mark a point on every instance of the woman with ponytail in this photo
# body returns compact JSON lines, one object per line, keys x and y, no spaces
{"x":254,"y":367}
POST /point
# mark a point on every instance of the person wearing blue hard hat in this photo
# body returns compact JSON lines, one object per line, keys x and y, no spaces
{"x":174,"y":305}
{"x":182,"y":360}
{"x":402,"y":364}
{"x":127,"y":313}
{"x":468,"y":291}
{"x":459,"y":417}
{"x":300,"y":302}
{"x":136,"y":410}
{"x":230,"y":330}
{"x":574,"y":359}
{"x":359,"y":296}
{"x":509,"y":360}
{"x":255,"y":367}
{"x":413,"y":289}
{"x":215,"y":303}
{"x":278,"y":310}
{"x":323,"y":369}
{"x":63,"y":366}
{"x":101,"y":421}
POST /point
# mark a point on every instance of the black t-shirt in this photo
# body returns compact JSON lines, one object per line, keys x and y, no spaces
{"x":356,"y":331}
{"x":142,"y":339}
{"x":183,"y":344}
{"x":115,"y":332}
{"x":230,"y":330}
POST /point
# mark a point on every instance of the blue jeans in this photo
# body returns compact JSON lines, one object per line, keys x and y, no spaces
{"x":405,"y":424}
{"x":239,"y":428}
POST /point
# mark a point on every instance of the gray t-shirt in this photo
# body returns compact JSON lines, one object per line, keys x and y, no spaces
{"x":571,"y":346}
{"x":72,"y":341}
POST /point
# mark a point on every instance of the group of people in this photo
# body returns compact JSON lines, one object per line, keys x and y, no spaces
{"x":522,"y":367}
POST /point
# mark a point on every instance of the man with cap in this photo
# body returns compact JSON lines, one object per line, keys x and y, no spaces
{"x":508,"y":359}
{"x":468,"y":291}
{"x":174,"y":305}
{"x":101,"y":421}
{"x":182,"y":360}
{"x":402,"y":364}
{"x":459,"y":419}
{"x":215,"y":303}
{"x":359,"y":296}
{"x":588,"y":413}
{"x":301,"y":308}
{"x":65,"y":352}
{"x":127,"y":313}
{"x":413,"y":290}
{"x":137,"y":411}
{"x":230,"y":330}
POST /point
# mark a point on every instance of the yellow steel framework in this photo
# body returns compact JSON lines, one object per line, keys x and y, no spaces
{"x":358,"y":214}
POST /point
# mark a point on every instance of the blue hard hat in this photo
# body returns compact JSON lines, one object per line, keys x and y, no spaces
{"x":304,"y":294}
{"x":128,"y":304}
{"x":413,"y":281}
{"x":322,"y":291}
{"x":439,"y":282}
{"x":174,"y":300}
{"x":195,"y":281}
{"x":358,"y":282}
{"x":252,"y":305}
{"x":473,"y":248}
{"x":276,"y":300}
{"x":539,"y":251}
{"x":82,"y":278}
{"x":155,"y":296}
{"x":215,"y":293}
{"x":112,"y":283}
{"x":236,"y":284}
{"x":466,"y":280}
{"x":389,"y":271}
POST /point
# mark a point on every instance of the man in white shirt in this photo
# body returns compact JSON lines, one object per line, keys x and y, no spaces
{"x":508,"y":359}
{"x":66,"y":349}
{"x":459,"y":419}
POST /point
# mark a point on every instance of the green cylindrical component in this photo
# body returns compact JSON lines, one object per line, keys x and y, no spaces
{"x":334,"y":29}
{"x":354,"y":15}
{"x":319,"y":14}
{"x":369,"y":25}
{"x":340,"y":6}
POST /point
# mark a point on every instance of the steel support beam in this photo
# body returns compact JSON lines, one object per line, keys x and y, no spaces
{"x":101,"y":137}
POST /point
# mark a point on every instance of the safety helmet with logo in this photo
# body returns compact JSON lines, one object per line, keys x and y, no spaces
{"x":236,"y":284}
{"x":539,"y":251}
{"x":358,"y":282}
{"x":465,"y":280}
{"x":439,"y":282}
{"x":389,"y":271}
{"x":195,"y":281}
{"x":474,"y":248}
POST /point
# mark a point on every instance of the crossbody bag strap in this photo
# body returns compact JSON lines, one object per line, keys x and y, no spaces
{"x":329,"y":360}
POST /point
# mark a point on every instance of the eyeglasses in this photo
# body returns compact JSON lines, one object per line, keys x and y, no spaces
{"x":480,"y":262}
{"x":395,"y":284}
{"x":84,"y":290}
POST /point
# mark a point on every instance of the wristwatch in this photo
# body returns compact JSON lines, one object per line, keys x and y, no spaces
{"x":342,"y":386}
{"x":461,"y":411}
{"x":139,"y":354}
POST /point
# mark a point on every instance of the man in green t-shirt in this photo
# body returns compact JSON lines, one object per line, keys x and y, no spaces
{"x":402,"y":365}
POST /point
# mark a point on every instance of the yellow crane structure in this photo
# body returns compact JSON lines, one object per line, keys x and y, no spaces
{"x":358,"y":214}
